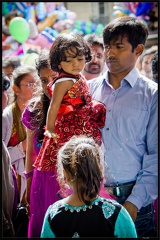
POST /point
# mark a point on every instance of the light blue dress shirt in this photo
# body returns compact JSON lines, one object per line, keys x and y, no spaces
{"x":130,"y":135}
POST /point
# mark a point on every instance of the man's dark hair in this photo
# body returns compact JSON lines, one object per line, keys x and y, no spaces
{"x":13,"y":61}
{"x":149,"y":51}
{"x":135,"y":31}
{"x":154,"y":61}
{"x":154,"y":64}
{"x":94,"y":39}
{"x":32,"y":50}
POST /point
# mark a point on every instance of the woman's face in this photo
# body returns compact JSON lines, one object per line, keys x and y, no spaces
{"x":27,"y":86}
{"x":46,"y":76}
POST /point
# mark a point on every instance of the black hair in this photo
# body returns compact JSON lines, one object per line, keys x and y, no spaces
{"x":44,"y":109}
{"x":40,"y":106}
{"x":65,"y":42}
{"x":94,"y":39}
{"x":32,"y":50}
{"x":154,"y":62}
{"x":13,"y":61}
{"x":43,"y":60}
{"x":135,"y":31}
{"x":154,"y":65}
{"x":149,"y":51}
{"x":80,"y":158}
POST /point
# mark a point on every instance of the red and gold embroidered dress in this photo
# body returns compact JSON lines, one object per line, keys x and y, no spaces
{"x":78,"y":115}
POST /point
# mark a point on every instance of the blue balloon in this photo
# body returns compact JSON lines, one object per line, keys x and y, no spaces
{"x":143,"y":8}
{"x":93,"y":27}
{"x":48,"y":36}
{"x":51,"y":31}
{"x":126,"y":11}
{"x":83,"y":23}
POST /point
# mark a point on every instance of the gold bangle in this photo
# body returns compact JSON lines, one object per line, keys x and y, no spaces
{"x":50,"y":134}
{"x":53,"y":135}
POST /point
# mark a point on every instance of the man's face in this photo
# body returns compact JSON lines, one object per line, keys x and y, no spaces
{"x":146,"y":64}
{"x":119,"y":56}
{"x":95,"y":66}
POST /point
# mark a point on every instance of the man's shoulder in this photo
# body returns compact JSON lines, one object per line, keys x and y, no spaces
{"x":149,"y":83}
{"x":95,"y":81}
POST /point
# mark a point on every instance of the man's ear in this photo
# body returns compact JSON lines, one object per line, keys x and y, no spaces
{"x":139,"y":49}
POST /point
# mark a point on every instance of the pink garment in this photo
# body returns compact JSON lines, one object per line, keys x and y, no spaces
{"x":43,"y":193}
{"x":44,"y":189}
{"x":103,"y":193}
{"x":62,"y":193}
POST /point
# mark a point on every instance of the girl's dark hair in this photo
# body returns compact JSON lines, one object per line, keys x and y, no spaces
{"x":43,"y":60}
{"x":80,"y":158}
{"x":5,"y":82}
{"x":42,"y":122}
{"x":65,"y":42}
{"x":131,"y":27}
{"x":39,"y":107}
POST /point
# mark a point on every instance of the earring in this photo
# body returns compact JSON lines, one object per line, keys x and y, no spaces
{"x":66,"y":186}
{"x":72,"y":179}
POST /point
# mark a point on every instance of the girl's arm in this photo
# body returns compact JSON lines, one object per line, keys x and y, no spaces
{"x":60,"y":89}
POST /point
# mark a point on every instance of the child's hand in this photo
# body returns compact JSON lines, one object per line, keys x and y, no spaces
{"x":51,"y":135}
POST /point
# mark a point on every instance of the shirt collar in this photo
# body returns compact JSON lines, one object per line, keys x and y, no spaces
{"x":131,"y":77}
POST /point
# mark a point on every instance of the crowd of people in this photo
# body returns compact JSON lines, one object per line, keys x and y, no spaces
{"x":79,"y":140}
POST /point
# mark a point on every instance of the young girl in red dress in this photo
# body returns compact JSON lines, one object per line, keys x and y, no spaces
{"x":72,"y":110}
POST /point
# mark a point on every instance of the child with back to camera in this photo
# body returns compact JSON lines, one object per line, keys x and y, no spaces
{"x":84,"y":213}
{"x":72,"y":110}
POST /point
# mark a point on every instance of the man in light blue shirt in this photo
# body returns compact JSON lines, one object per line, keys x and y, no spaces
{"x":130,"y":135}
